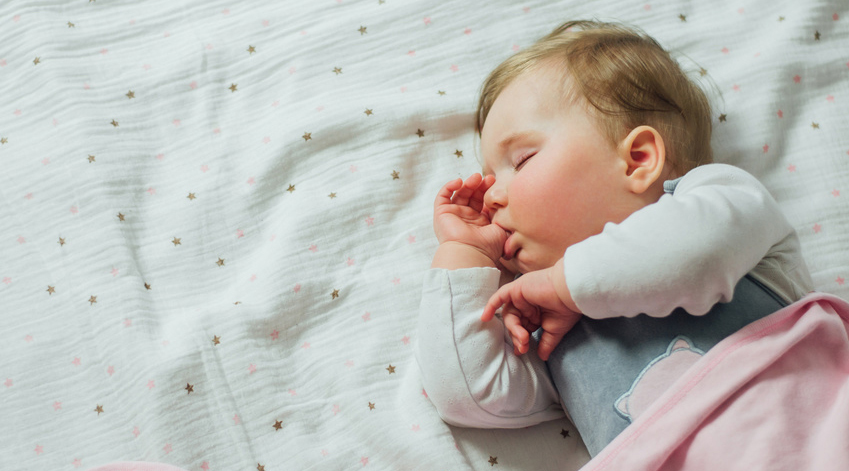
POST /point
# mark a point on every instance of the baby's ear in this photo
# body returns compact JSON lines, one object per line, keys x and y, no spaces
{"x":644,"y":155}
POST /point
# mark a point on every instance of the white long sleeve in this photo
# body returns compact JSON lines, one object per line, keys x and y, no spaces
{"x":688,"y":250}
{"x":468,"y":368}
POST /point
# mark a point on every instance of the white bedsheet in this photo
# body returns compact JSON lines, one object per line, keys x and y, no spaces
{"x":216,"y":215}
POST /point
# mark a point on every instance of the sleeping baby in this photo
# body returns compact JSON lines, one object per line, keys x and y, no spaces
{"x":637,"y":254}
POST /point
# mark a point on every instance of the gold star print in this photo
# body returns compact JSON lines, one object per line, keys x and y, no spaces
{"x":395,"y":175}
{"x":564,"y":432}
{"x":251,"y":49}
{"x":683,"y":17}
{"x":722,"y":118}
{"x":50,"y":289}
{"x":233,"y":87}
{"x":291,"y":188}
{"x":147,"y":286}
{"x":70,"y":25}
{"x":90,"y":158}
{"x":391,"y":369}
{"x":493,"y":460}
{"x":36,"y":60}
{"x":114,"y":123}
{"x":817,"y":36}
{"x":815,"y":125}
{"x":368,"y":112}
{"x":331,"y":195}
{"x":120,"y":216}
{"x":780,"y":18}
{"x":362,"y":30}
{"x":190,"y":388}
{"x":381,"y":2}
{"x":92,"y":300}
{"x":702,"y":71}
{"x":278,"y":425}
{"x":61,"y":241}
{"x":260,"y":467}
{"x":3,"y":140}
{"x":98,"y":409}
{"x":216,"y":340}
{"x":459,"y":153}
{"x":307,"y":136}
{"x":370,"y":406}
{"x":131,"y":94}
{"x":420,"y":133}
{"x":337,"y":70}
{"x":176,"y":242}
{"x":220,"y":262}
{"x":334,"y":294}
{"x":191,"y":196}
{"x":441,"y":92}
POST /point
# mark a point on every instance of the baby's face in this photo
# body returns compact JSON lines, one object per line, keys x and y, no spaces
{"x":557,"y":179}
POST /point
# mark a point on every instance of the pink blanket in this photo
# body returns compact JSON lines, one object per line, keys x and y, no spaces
{"x":773,"y":396}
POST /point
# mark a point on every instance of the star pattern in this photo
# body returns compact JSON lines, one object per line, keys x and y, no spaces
{"x":189,"y":388}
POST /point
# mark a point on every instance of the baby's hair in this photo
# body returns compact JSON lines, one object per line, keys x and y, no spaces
{"x":627,"y":77}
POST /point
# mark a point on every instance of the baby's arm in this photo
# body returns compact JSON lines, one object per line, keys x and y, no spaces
{"x":468,"y":369}
{"x":687,"y":250}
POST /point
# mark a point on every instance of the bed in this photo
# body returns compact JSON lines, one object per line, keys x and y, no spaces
{"x":217,"y":215}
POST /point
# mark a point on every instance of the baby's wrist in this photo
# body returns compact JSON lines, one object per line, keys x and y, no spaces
{"x":557,"y":276}
{"x":453,"y":255}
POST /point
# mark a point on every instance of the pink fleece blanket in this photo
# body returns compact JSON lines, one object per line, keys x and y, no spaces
{"x":773,"y":396}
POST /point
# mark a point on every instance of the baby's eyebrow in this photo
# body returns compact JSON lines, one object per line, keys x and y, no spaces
{"x":512,"y":138}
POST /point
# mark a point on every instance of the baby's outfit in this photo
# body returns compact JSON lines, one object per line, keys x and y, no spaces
{"x":657,"y":290}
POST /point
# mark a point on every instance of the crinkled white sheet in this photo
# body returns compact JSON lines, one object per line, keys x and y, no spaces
{"x":216,"y":215}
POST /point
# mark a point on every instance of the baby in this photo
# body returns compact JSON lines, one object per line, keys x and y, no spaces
{"x":634,"y":248}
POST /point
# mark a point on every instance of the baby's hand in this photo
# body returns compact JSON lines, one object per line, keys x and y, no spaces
{"x":459,"y":215}
{"x":535,"y":300}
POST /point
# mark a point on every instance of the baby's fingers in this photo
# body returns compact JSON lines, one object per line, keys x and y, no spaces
{"x":444,"y":195}
{"x":520,"y":336}
{"x":464,"y":194}
{"x":476,"y":200}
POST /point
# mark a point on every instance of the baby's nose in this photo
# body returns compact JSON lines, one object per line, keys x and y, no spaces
{"x":495,"y":197}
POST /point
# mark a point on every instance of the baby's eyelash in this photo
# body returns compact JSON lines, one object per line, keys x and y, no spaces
{"x":523,"y":159}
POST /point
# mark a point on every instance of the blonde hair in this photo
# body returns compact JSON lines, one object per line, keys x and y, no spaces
{"x":627,"y":77}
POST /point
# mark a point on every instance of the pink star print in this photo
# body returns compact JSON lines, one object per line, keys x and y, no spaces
{"x":151,"y":384}
{"x":306,"y":345}
{"x":349,"y":363}
{"x":335,"y":409}
{"x":252,"y":368}
{"x":167,"y":448}
{"x":159,"y":157}
{"x":128,"y":322}
{"x":411,"y":53}
{"x":7,"y":280}
{"x":253,"y":278}
{"x":324,"y":453}
{"x":467,"y":31}
{"x":151,"y":191}
{"x":411,"y":239}
{"x":104,"y":51}
{"x":350,"y":261}
{"x":236,"y":419}
{"x":204,"y":466}
{"x":352,"y":168}
{"x":275,"y":335}
{"x":114,"y":272}
{"x":297,"y":288}
{"x":17,"y":112}
{"x":415,"y":428}
{"x":136,"y":432}
{"x":28,"y":196}
{"x":405,"y":340}
{"x":313,"y":248}
{"x":766,"y":148}
{"x":427,"y":20}
{"x":45,"y":161}
{"x":74,"y":210}
{"x":817,"y":228}
{"x":57,"y":405}
{"x":28,"y":338}
{"x":8,"y":382}
{"x":791,"y":168}
{"x":266,"y":140}
{"x":424,"y":393}
{"x":293,"y":393}
{"x":840,"y":280}
{"x":364,"y":460}
{"x":251,"y":181}
{"x":830,"y":98}
{"x":369,"y":221}
{"x":76,"y":361}
{"x":836,"y":193}
{"x":736,"y":87}
{"x":780,"y":114}
{"x":797,"y":78}
{"x":77,"y":463}
{"x":725,"y":50}
{"x":176,"y":123}
{"x":21,"y":240}
{"x":39,"y":449}
{"x":454,"y":68}
{"x":193,"y":85}
{"x":366,"y":316}
{"x":110,"y":370}
{"x":240,"y":233}
{"x":204,"y":168}
{"x":396,"y":281}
